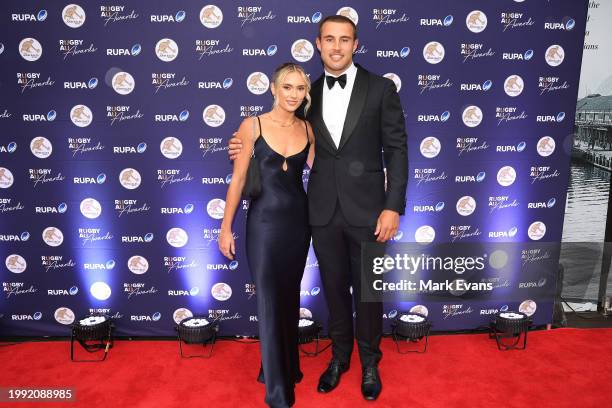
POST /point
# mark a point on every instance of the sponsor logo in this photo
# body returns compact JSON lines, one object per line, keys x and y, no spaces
{"x":41,"y":147}
{"x":81,"y":115}
{"x":387,"y":16}
{"x":130,"y":207}
{"x":554,"y":55}
{"x":424,"y":234}
{"x":428,"y":175}
{"x":497,"y":203}
{"x":541,"y":173}
{"x":476,"y":21}
{"x":430,"y":147}
{"x":433,"y":52}
{"x":512,"y":20}
{"x":472,"y":51}
{"x":517,"y":56}
{"x":302,"y":50}
{"x":6,"y":178}
{"x":181,"y":117}
{"x":514,"y":85}
{"x":53,"y":236}
{"x":44,"y":176}
{"x":31,"y":80}
{"x":545,"y":146}
{"x":166,"y":50}
{"x":90,"y":208}
{"x":508,"y":114}
{"x":221,"y":291}
{"x":213,"y":115}
{"x":349,"y":12}
{"x":71,"y":48}
{"x":506,"y":176}
{"x":215,"y":208}
{"x":73,"y":15}
{"x":478,"y":178}
{"x":171,"y":147}
{"x":314,"y":19}
{"x":528,"y":307}
{"x":472,"y":116}
{"x":466,"y":205}
{"x":130,"y":178}
{"x":429,"y":82}
{"x":15,"y":263}
{"x":258,"y":83}
{"x":179,"y":17}
{"x":166,"y":80}
{"x":211,"y":48}
{"x":30,"y":49}
{"x":172,"y":176}
{"x":469,"y":145}
{"x":211,"y":16}
{"x":116,"y":14}
{"x":177,"y":237}
{"x":253,"y":14}
{"x":459,"y":232}
{"x":396,"y":80}
{"x":123,"y":83}
{"x":30,"y":17}
{"x":83,"y":145}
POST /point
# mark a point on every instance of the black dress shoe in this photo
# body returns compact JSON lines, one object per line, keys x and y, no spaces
{"x":331,"y":377}
{"x":370,"y":383}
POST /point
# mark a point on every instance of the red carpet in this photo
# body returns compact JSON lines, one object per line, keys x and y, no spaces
{"x":559,"y":368}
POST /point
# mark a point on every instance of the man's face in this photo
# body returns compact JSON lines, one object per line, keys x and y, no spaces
{"x":336,"y":44}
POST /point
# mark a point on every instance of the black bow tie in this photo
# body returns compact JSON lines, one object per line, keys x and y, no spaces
{"x":332,"y":80}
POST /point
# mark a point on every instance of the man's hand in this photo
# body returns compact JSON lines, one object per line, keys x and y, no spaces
{"x":235,"y":147}
{"x":387,"y":225}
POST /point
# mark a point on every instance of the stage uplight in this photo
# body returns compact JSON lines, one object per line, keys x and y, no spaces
{"x":509,"y":328}
{"x":197,"y":330}
{"x":93,"y":332}
{"x":308,"y":331}
{"x":410,"y":327}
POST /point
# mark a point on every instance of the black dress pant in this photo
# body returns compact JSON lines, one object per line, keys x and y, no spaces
{"x":337,"y":246}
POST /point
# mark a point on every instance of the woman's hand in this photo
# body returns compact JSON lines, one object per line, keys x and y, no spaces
{"x":227,"y":245}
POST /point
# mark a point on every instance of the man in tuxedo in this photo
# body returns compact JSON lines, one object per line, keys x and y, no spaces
{"x":355,"y":115}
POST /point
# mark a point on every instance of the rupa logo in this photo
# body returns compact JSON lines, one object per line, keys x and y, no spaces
{"x":187,"y":209}
{"x":99,"y":179}
{"x":261,"y":52}
{"x":139,"y":149}
{"x":314,"y":19}
{"x":474,"y":86}
{"x":38,"y":117}
{"x":91,"y":84}
{"x":511,"y":148}
{"x":61,"y":208}
{"x":178,"y":17}
{"x":225,"y":84}
{"x":402,"y":53}
{"x":135,"y":50}
{"x":181,"y":117}
{"x":535,"y":205}
{"x":30,"y":17}
{"x":443,"y":117}
{"x":567,"y":24}
{"x":425,"y":208}
{"x":437,"y":22}
{"x":518,"y":56}
{"x":559,"y":117}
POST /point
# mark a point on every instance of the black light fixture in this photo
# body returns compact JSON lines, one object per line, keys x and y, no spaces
{"x":197,"y":330}
{"x":410,"y":327}
{"x":93,"y":332}
{"x":308,"y":331}
{"x":508,"y":328}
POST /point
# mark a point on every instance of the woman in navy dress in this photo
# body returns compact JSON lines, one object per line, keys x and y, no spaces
{"x":278,"y":233}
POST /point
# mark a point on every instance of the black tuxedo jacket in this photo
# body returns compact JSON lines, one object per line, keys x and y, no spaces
{"x":352,"y":174}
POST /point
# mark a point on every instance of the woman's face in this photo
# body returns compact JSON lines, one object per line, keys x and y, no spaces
{"x":290,"y":92}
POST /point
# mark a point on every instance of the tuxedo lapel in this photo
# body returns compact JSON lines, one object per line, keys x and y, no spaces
{"x":356,"y":104}
{"x":316,"y":119}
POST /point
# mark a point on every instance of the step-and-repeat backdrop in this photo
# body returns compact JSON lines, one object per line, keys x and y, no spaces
{"x":114,"y":122}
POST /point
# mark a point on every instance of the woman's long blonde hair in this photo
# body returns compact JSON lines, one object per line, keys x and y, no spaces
{"x":281,"y":72}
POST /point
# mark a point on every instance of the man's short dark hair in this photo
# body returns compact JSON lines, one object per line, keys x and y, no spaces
{"x":336,"y":18}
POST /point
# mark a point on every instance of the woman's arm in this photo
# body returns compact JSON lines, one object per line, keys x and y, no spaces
{"x":234,"y":190}
{"x":311,"y":151}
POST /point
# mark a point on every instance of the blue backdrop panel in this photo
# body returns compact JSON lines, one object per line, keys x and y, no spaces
{"x":115,"y":117}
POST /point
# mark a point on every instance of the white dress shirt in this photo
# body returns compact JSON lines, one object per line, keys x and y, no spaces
{"x":336,"y":102}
